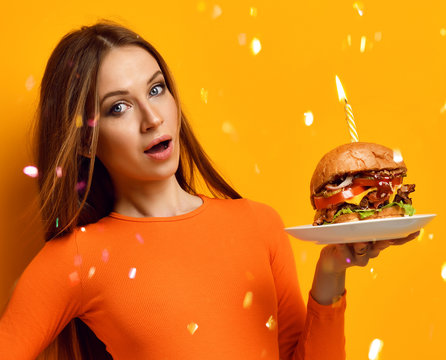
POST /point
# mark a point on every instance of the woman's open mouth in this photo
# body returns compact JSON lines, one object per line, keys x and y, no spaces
{"x":160,"y":151}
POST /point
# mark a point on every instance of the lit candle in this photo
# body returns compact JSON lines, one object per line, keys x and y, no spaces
{"x":348,"y":112}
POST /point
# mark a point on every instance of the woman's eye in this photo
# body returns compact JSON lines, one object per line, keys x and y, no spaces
{"x":118,"y":109}
{"x":157,"y":89}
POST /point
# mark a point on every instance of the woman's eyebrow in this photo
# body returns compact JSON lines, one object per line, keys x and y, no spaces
{"x":125,"y":92}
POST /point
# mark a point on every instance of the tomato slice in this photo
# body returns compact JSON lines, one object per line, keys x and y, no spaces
{"x":378,"y":182}
{"x":322,"y":202}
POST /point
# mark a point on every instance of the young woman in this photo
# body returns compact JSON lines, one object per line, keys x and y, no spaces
{"x":140,"y":264}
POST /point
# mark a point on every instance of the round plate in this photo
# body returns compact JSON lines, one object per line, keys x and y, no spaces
{"x":363,"y":230}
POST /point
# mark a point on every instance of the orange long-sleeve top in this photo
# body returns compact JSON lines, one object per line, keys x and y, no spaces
{"x":219,"y":282}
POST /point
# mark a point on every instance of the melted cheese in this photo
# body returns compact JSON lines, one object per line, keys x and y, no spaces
{"x":357,"y":199}
{"x":395,"y":191}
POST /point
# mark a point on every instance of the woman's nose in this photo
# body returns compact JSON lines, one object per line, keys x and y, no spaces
{"x":150,"y":117}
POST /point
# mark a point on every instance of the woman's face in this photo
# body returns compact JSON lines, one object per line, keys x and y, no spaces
{"x":136,"y":111}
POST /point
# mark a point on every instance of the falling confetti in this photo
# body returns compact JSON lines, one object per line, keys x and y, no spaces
{"x":79,"y":121}
{"x":256,"y":46}
{"x":204,"y":95}
{"x":77,"y":260}
{"x":348,"y":260}
{"x":57,"y":223}
{"x":375,"y":348}
{"x":443,"y":32}
{"x":247,"y":301}
{"x":216,"y":12}
{"x":271,"y":323}
{"x":132,"y":273}
{"x":420,"y":236}
{"x":359,"y":6}
{"x":139,"y":238}
{"x":242,"y":39}
{"x":192,"y":327}
{"x":374,"y":274}
{"x":91,"y":272}
{"x":92,"y":122}
{"x":431,"y":236}
{"x":308,"y":117}
{"x":74,"y":278}
{"x":253,"y":11}
{"x":105,"y":255}
{"x":349,"y":40}
{"x":443,"y":109}
{"x":397,"y":157}
{"x":29,"y":83}
{"x":443,"y":271}
{"x":378,"y":36}
{"x":363,"y":42}
{"x":31,"y":171}
{"x":256,"y":169}
{"x":80,"y":185}
{"x":227,"y":128}
{"x":82,"y":229}
{"x":59,"y":172}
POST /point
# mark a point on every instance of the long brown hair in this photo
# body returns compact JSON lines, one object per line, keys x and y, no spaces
{"x":75,"y":187}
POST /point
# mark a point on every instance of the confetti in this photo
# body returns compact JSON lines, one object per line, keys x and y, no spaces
{"x":374,"y":274}
{"x":375,"y":348}
{"x":363,"y":42}
{"x":349,"y":40}
{"x":443,"y":32}
{"x":256,"y":169}
{"x":92,"y":122}
{"x":82,"y":229}
{"x":242,"y":39}
{"x":247,"y":301}
{"x":29,"y":83}
{"x":397,"y":157}
{"x":443,"y":109}
{"x":57,"y":223}
{"x":227,"y":128}
{"x":31,"y":171}
{"x":216,"y":12}
{"x":79,"y":121}
{"x":348,"y":260}
{"x":77,"y":260}
{"x":431,"y":236}
{"x":91,"y":272}
{"x":192,"y":327}
{"x":59,"y":172}
{"x":420,"y":236}
{"x":139,"y":238}
{"x":204,"y":95}
{"x":308,"y":118}
{"x":74,"y":278}
{"x":443,"y":271}
{"x":80,"y":185}
{"x":378,"y":36}
{"x":359,"y":6}
{"x":271,"y":323}
{"x":105,"y":255}
{"x":256,"y":46}
{"x":132,"y":273}
{"x":253,"y":11}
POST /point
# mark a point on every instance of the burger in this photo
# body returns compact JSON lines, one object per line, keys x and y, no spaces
{"x":360,"y":181}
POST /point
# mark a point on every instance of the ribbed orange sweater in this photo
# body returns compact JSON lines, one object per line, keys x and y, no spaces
{"x":216,"y":283}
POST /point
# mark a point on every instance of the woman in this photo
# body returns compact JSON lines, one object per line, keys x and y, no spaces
{"x":138,"y":257}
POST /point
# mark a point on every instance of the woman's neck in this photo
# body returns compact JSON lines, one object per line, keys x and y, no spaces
{"x":163,"y":198}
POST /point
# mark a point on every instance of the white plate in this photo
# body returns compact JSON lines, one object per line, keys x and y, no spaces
{"x":363,"y":230}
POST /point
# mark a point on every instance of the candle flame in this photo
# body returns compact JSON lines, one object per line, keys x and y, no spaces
{"x":341,"y":93}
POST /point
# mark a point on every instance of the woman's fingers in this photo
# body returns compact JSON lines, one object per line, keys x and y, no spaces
{"x":406,"y":239}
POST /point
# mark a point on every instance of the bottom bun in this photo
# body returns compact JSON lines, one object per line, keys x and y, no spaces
{"x":393,"y":211}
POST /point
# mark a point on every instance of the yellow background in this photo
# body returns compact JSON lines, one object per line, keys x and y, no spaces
{"x":250,"y":118}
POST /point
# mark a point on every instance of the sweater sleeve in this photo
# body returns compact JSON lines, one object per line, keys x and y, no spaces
{"x":312,"y":333}
{"x":47,"y":296}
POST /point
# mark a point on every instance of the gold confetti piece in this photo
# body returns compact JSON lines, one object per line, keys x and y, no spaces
{"x":253,"y":11}
{"x":30,"y":82}
{"x":91,"y":272}
{"x":79,"y":121}
{"x":139,"y":238}
{"x":201,"y":6}
{"x":204,"y":95}
{"x":420,"y":237}
{"x":132,"y":273}
{"x":431,"y":236}
{"x":105,"y":255}
{"x":192,"y":327}
{"x":375,"y":348}
{"x":443,"y":271}
{"x":349,"y":40}
{"x":74,"y":278}
{"x":256,"y":46}
{"x":242,"y":39}
{"x":216,"y":12}
{"x":247,"y":301}
{"x":363,"y":42}
{"x":31,"y":171}
{"x":397,"y":157}
{"x":77,"y":260}
{"x":308,"y":118}
{"x":359,"y":6}
{"x":271,"y":323}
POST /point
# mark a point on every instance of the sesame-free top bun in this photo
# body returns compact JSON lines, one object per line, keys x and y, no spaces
{"x":352,"y":158}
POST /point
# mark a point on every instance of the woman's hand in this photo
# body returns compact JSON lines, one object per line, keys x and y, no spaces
{"x":329,"y":278}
